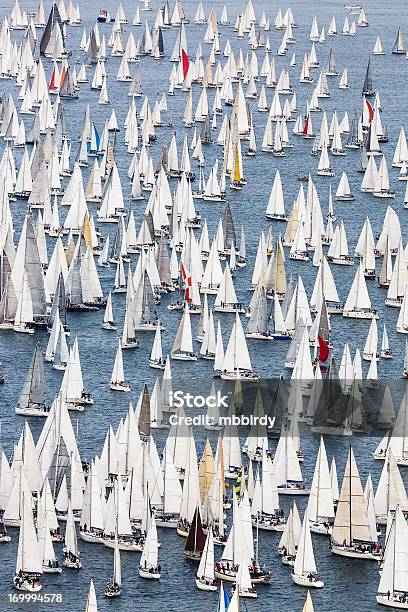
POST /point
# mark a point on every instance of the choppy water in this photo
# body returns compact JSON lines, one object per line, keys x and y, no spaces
{"x":349,"y":584}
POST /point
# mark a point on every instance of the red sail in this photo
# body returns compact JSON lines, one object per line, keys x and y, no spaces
{"x":52,"y":82}
{"x":186,"y":63}
{"x":370,"y":111}
{"x":306,"y":125}
{"x":323,"y":349}
{"x":188,"y":283}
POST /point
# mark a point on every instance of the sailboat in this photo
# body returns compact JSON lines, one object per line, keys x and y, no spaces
{"x":117,"y":382}
{"x":399,"y":46}
{"x":108,"y":320}
{"x":71,"y":552}
{"x":321,"y":505}
{"x":24,"y":317}
{"x":195,"y":542}
{"x":368,"y":88}
{"x":392,"y":589}
{"x":148,"y":566}
{"x":378,"y":48}
{"x":386,"y":352}
{"x":32,"y":398}
{"x":243,"y":584}
{"x":237,"y":362}
{"x":183,"y":343}
{"x":205,"y":579}
{"x":29,"y":558}
{"x":304,"y":567}
{"x":113,"y":589}
{"x":156,"y":359}
{"x":91,"y":603}
{"x":352,"y":536}
{"x":286,"y":467}
{"x":265,"y":509}
{"x":358,"y":303}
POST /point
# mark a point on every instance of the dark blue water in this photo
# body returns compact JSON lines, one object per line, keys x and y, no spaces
{"x":349,"y":584}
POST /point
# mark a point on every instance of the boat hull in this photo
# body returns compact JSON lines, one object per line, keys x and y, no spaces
{"x":391,"y":603}
{"x":351,"y":553}
{"x":144,"y":573}
{"x":204,"y":586}
{"x":306,"y":582}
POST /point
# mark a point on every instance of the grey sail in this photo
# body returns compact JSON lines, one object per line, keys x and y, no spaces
{"x":8,"y":298}
{"x":331,"y":64}
{"x":135,"y":86}
{"x":163,"y":262}
{"x":368,"y":82}
{"x":324,"y":326}
{"x":258,"y":323}
{"x":33,"y":135}
{"x":34,"y":271}
{"x":331,"y":409}
{"x":33,"y":392}
{"x":352,"y":140}
{"x":288,"y":296}
{"x":92,"y":54}
{"x":54,"y":17}
{"x":145,"y":306}
{"x":59,"y":468}
{"x":144,"y":414}
{"x":229,"y":229}
{"x":74,"y":284}
{"x":117,"y":242}
{"x":295,"y":342}
{"x":67,"y":89}
{"x":59,"y":304}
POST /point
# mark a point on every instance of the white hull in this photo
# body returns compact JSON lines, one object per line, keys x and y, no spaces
{"x":204,"y":586}
{"x":321,"y":529}
{"x":359,"y":314}
{"x":26,"y":585}
{"x":132,"y":546}
{"x":239,"y":376}
{"x":120,"y":387}
{"x":391,"y":603}
{"x":306,"y":582}
{"x":352,"y":553}
{"x":32,"y":411}
{"x":183,"y":357}
{"x":91,"y":538}
{"x":144,"y":573}
{"x":292,"y":491}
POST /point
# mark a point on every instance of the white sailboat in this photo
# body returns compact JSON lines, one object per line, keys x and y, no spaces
{"x":352,"y":536}
{"x":237,"y":362}
{"x":148,"y":566}
{"x":304,"y":567}
{"x":358,"y":303}
{"x":182,"y":349}
{"x":113,"y":589}
{"x":117,"y":382}
{"x":29,"y":559}
{"x":156,"y":359}
{"x":320,"y":507}
{"x":108,"y":319}
{"x":392,"y":589}
{"x":71,"y":552}
{"x":205,"y":578}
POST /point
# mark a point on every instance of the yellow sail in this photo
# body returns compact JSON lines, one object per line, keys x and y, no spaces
{"x":69,"y":253}
{"x":86,"y":231}
{"x":308,"y":607}
{"x":292,"y":225}
{"x":206,"y":471}
{"x":237,"y":174}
